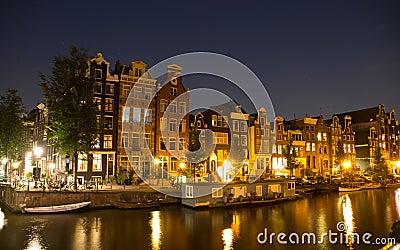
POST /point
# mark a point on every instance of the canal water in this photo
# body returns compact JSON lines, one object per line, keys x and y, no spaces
{"x":176,"y":227}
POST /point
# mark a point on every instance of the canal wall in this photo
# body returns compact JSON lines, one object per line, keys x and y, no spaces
{"x":16,"y":200}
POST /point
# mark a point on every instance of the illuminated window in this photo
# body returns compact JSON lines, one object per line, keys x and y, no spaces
{"x":147,"y":140}
{"x":217,"y":192}
{"x":313,"y":147}
{"x":214,"y":120}
{"x":163,"y":122}
{"x":174,"y":164}
{"x":163,"y":105}
{"x":109,"y":105}
{"x":125,"y":114}
{"x":182,"y":126}
{"x":319,"y":136}
{"x":97,"y":101}
{"x":82,"y":163}
{"x":97,"y":160}
{"x":147,"y":116}
{"x":136,"y":115}
{"x":107,"y":141}
{"x":308,"y":147}
{"x":220,"y":138}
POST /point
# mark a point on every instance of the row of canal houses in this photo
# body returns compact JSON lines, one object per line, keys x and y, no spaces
{"x":129,"y":95}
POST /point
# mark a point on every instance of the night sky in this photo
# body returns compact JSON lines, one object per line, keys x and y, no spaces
{"x":312,"y":56}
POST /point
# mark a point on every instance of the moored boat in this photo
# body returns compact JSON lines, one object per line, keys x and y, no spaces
{"x":371,"y":186}
{"x":58,"y":208}
{"x":350,"y":187}
{"x":392,"y":185}
{"x":134,"y":205}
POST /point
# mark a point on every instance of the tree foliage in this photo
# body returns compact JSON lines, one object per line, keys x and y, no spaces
{"x":11,"y":125}
{"x":339,"y":154}
{"x":290,"y":155}
{"x":194,"y":144}
{"x":380,"y":169}
{"x":68,"y":92}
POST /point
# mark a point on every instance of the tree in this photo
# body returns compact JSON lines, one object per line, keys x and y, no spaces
{"x":380,"y":169}
{"x":11,"y":126}
{"x":69,"y":93}
{"x":339,"y":155}
{"x":194,"y":144}
{"x":290,"y":154}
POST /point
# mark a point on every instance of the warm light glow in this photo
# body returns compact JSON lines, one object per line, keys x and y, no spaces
{"x":156,"y":161}
{"x":38,"y":151}
{"x":347,"y":164}
{"x":397,"y":199}
{"x":227,"y":238}
{"x":4,"y":160}
{"x":397,"y":163}
{"x":15,"y":164}
{"x":3,"y":220}
{"x":348,"y":217}
{"x":182,"y":165}
{"x":52,"y":166}
{"x":156,"y":232}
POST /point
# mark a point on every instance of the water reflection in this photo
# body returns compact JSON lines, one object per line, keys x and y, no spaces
{"x":348,"y":219}
{"x":232,"y":233}
{"x":397,"y":199}
{"x":88,"y":233}
{"x":35,"y":240}
{"x":3,"y":220}
{"x":156,"y":232}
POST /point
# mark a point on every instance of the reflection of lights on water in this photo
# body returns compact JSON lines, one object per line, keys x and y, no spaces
{"x":87,"y":234}
{"x":348,"y":217}
{"x":156,"y":232}
{"x":35,"y":238}
{"x":3,"y":220}
{"x":397,"y":199}
{"x":229,"y":234}
{"x":227,"y":238}
{"x":34,"y":244}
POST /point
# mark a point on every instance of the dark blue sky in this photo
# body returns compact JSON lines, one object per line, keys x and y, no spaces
{"x":333,"y":56}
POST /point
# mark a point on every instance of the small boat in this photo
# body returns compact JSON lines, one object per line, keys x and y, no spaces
{"x":58,"y":208}
{"x":392,"y":185}
{"x":371,"y":186}
{"x":350,"y":187}
{"x":134,"y":205}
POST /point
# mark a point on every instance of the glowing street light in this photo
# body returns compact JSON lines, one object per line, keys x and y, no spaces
{"x":347,"y":164}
